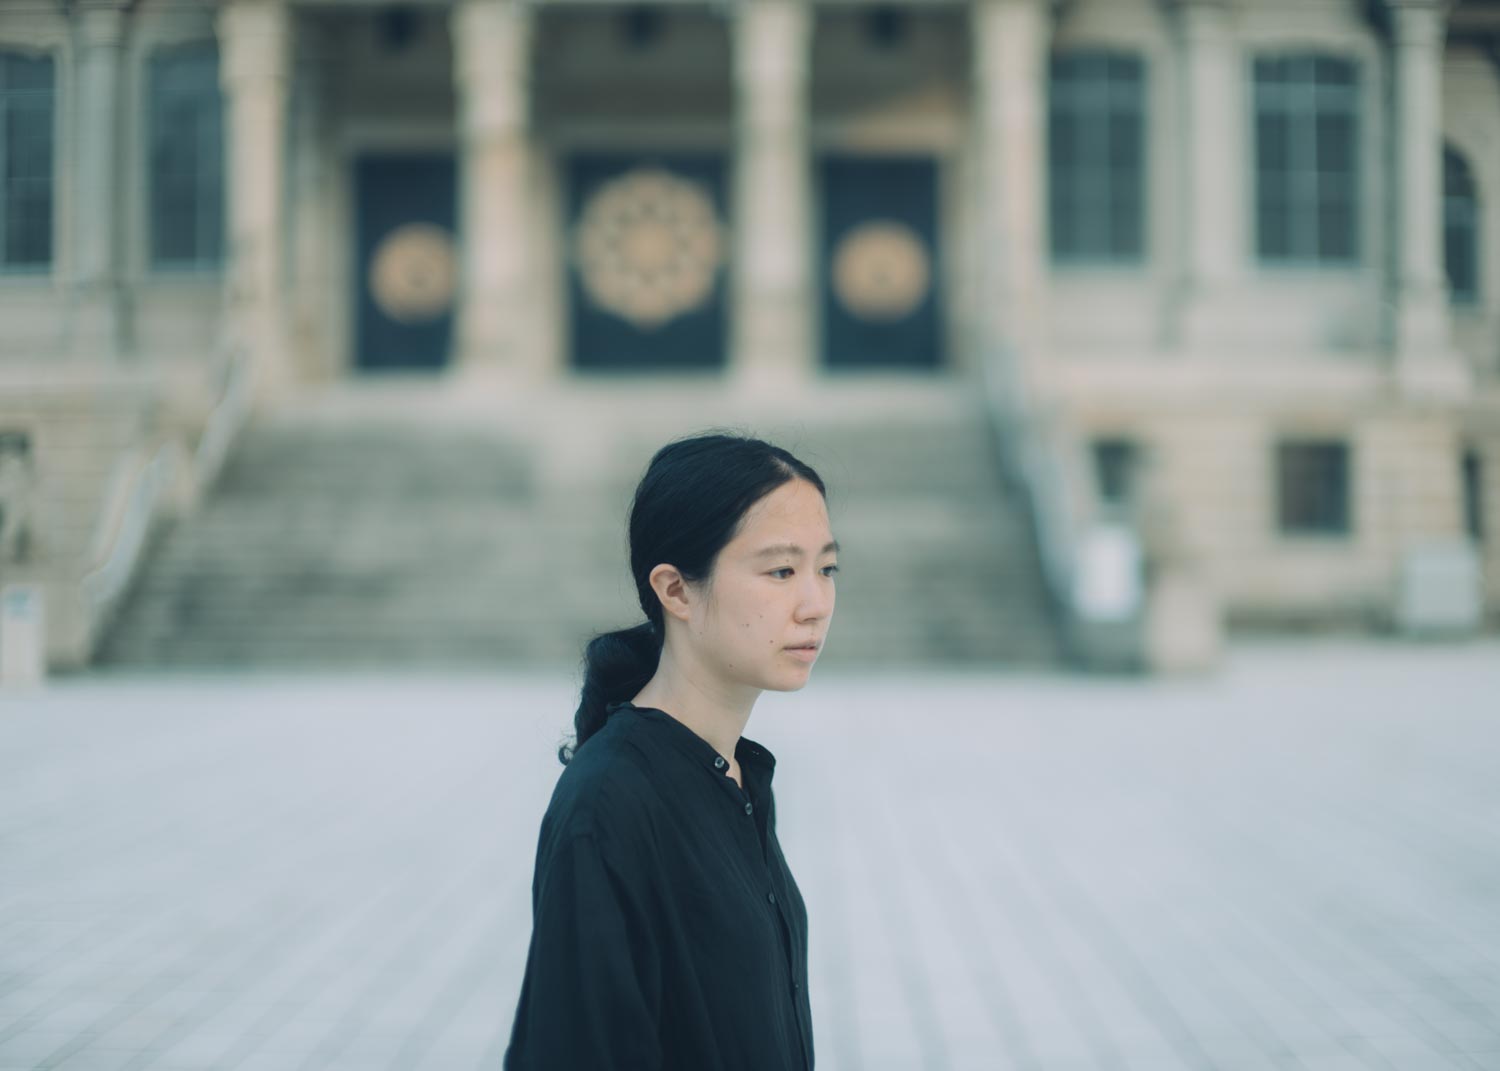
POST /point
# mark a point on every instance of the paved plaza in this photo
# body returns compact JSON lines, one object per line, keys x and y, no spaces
{"x":1295,"y":864}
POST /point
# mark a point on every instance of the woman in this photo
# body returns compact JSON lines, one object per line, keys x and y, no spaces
{"x":667,"y":931}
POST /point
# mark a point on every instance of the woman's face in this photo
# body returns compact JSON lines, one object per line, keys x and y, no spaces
{"x":772,"y":590}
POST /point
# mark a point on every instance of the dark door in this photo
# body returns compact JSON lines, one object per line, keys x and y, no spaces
{"x":880,"y":261}
{"x":647,"y":246}
{"x":406,"y":275}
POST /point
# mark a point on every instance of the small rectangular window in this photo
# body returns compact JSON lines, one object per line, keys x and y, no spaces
{"x":1460,"y":228}
{"x":1306,"y":141}
{"x":1096,"y":137}
{"x":1312,"y":479}
{"x":1114,"y":470}
{"x":1473,"y":485}
{"x":26,"y":161}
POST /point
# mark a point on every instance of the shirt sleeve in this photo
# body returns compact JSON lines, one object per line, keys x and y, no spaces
{"x":591,"y":994}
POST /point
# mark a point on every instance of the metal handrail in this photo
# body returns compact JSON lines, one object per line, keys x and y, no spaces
{"x":140,"y":488}
{"x":1031,"y":467}
{"x":1035,"y":463}
{"x":136,"y":493}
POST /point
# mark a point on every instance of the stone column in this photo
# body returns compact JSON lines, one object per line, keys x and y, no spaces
{"x":97,"y":317}
{"x":1010,"y":47}
{"x":307,"y":210}
{"x":492,"y":71}
{"x":253,"y":68}
{"x":1421,"y":329}
{"x":771,"y":314}
{"x":1214,"y":165}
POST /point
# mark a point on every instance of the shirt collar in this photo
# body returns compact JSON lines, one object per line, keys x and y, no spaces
{"x":747,"y":752}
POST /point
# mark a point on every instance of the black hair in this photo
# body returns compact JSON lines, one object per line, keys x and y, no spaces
{"x":689,"y":504}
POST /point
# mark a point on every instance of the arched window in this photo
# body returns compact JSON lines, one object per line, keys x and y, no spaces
{"x":187,"y":157}
{"x":1460,"y":228}
{"x":26,"y":132}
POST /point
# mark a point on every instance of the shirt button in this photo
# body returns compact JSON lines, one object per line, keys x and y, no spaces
{"x":718,"y":762}
{"x":749,"y":807}
{"x":796,"y":986}
{"x":770,"y":896}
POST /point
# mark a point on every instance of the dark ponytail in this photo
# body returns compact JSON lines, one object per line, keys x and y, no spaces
{"x":688,"y":505}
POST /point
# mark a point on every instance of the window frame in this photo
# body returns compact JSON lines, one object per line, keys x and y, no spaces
{"x":43,"y":270}
{"x":1360,"y":190}
{"x":1092,"y":258}
{"x":1347,"y":520}
{"x":199,"y":266}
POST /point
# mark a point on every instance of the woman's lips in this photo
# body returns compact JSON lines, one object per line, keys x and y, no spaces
{"x":806,"y":654}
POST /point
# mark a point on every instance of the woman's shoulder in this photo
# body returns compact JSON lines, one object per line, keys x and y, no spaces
{"x":605,"y":791}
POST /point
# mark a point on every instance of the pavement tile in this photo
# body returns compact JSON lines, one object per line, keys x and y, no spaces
{"x":1285,"y":866}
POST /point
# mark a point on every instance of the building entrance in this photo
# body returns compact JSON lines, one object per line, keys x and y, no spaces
{"x":647,"y":251}
{"x":881,"y":290}
{"x":406,"y":260}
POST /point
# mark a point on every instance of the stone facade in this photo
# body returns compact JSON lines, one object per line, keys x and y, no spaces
{"x":1198,"y":351}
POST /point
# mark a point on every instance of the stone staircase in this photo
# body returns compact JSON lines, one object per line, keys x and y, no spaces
{"x":414,"y":538}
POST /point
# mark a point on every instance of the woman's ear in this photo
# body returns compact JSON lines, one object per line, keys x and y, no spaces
{"x":672,"y":590}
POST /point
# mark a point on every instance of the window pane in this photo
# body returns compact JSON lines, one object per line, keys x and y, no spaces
{"x":1127,"y":219}
{"x":30,"y":235}
{"x":1473,"y":481}
{"x":1126,"y":72}
{"x":1272,"y":138}
{"x":1459,"y":259}
{"x":1114,"y":467}
{"x":1061,"y":134}
{"x":1335,"y":143}
{"x":1332,"y":71}
{"x":1460,"y":228}
{"x":1125,"y":147}
{"x":1273,"y":225}
{"x":26,"y":72}
{"x":1458,"y":179}
{"x":1060,"y":216}
{"x":1335,"y":227}
{"x":1269,"y":72}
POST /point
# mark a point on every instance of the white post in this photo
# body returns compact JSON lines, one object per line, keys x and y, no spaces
{"x":23,"y":635}
{"x":253,"y":68}
{"x":492,"y":48}
{"x":97,"y":316}
{"x":771,"y":315}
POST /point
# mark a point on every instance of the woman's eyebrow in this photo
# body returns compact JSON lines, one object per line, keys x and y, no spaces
{"x":792,"y":548}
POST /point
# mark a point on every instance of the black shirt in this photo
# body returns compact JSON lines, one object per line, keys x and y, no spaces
{"x":667,"y":931}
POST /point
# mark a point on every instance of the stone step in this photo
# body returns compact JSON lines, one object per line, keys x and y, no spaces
{"x":403,"y":538}
{"x":300,"y":460}
{"x":486,"y":649}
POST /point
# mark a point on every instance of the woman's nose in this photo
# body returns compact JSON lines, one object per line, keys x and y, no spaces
{"x":817,"y":600}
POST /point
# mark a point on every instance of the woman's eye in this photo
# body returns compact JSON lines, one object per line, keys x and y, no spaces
{"x":830,"y":569}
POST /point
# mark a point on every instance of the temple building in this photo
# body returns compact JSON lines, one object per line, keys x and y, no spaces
{"x":1223,"y":275}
